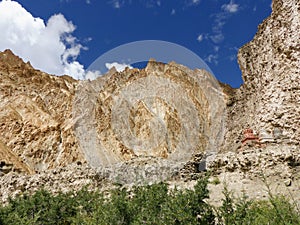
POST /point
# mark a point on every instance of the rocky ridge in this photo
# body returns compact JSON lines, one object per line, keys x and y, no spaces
{"x":36,"y":130}
{"x":165,"y":110}
{"x":41,"y":134}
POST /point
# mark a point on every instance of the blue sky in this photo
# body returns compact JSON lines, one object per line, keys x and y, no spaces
{"x":213,"y":29}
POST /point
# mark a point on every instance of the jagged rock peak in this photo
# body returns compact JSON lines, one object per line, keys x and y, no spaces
{"x":8,"y":58}
{"x":36,"y":131}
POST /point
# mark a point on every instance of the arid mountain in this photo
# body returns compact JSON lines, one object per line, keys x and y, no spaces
{"x":165,"y":110}
{"x":36,"y":127}
{"x":159,"y":119}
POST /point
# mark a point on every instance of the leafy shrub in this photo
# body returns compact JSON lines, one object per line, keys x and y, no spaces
{"x":151,"y":204}
{"x":274,"y":211}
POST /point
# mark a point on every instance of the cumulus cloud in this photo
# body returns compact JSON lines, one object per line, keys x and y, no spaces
{"x":48,"y":46}
{"x":92,"y":75}
{"x":231,"y":7}
{"x":119,"y":66}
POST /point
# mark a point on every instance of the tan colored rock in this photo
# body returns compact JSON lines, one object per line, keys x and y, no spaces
{"x":156,"y":123}
{"x":165,"y":110}
{"x":7,"y":157}
{"x":35,"y":117}
{"x":269,"y":99}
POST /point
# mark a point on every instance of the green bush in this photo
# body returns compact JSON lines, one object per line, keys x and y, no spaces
{"x":274,"y":211}
{"x":151,"y":204}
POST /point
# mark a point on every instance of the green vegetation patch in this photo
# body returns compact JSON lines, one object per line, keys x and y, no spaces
{"x":152,"y":204}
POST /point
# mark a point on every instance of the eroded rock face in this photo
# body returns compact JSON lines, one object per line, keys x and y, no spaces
{"x":269,"y":100}
{"x":134,"y":118}
{"x":36,"y":130}
{"x":165,"y":111}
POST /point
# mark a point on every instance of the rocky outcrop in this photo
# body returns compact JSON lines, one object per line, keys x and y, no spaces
{"x":72,"y":177}
{"x":273,"y":160}
{"x":159,"y":122}
{"x":269,"y":100}
{"x":36,"y":126}
{"x":165,"y":111}
{"x":261,"y":152}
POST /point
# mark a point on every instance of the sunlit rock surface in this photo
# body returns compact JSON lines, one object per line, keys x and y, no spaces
{"x":163,"y":120}
{"x":165,"y":110}
{"x":36,"y":126}
{"x":269,"y":99}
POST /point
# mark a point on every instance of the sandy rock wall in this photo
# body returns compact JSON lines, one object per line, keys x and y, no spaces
{"x":269,"y":100}
{"x":165,"y":110}
{"x":35,"y":117}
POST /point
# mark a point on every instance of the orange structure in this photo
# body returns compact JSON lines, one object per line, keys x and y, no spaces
{"x":250,"y":137}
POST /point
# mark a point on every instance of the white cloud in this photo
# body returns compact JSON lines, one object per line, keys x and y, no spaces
{"x":231,"y":7}
{"x":217,"y":35}
{"x":117,"y":4}
{"x":173,"y":12}
{"x":92,"y":75}
{"x":194,"y":2}
{"x":217,"y":38}
{"x":200,"y":38}
{"x":232,"y":57}
{"x":119,"y":66}
{"x":220,"y":20}
{"x":150,"y":3}
{"x":48,"y":46}
{"x":67,"y":1}
{"x":212,"y":58}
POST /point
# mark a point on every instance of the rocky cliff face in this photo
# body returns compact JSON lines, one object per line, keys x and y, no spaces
{"x":165,"y":110}
{"x":145,"y":122}
{"x":36,"y":130}
{"x":269,"y":100}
